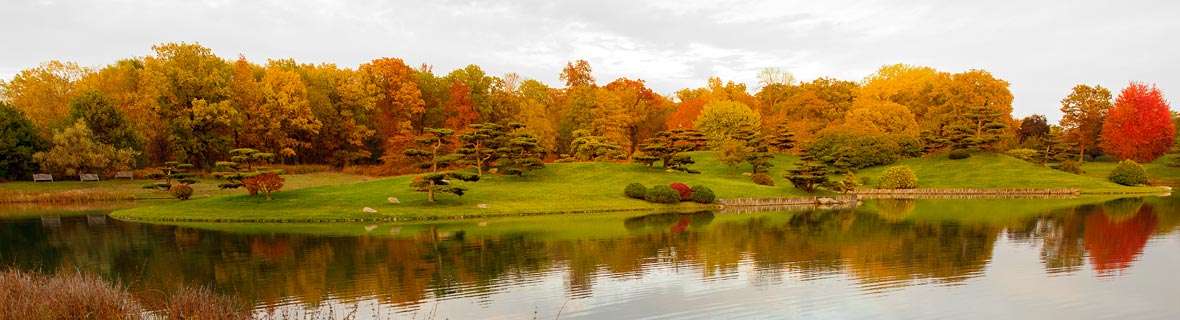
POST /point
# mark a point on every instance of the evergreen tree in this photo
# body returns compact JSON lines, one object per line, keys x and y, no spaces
{"x":18,"y":142}
{"x":808,"y":174}
{"x":480,"y":145}
{"x":986,"y":127}
{"x":108,"y":125}
{"x":521,"y":153}
{"x":667,"y":146}
{"x":435,"y":156}
{"x":1055,"y":148}
{"x":757,"y":150}
{"x":783,"y":139}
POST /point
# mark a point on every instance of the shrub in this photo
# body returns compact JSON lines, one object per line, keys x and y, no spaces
{"x":1071,"y":166}
{"x":662,"y":194}
{"x":265,"y":183}
{"x":899,"y":177}
{"x":702,"y":194}
{"x":683,"y":190}
{"x":181,"y":191}
{"x":762,"y":179}
{"x":635,"y":191}
{"x":1128,"y":173}
{"x":959,"y":154}
{"x":202,"y":303}
{"x":1023,"y":154}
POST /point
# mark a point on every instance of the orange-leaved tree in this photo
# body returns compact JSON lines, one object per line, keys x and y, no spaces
{"x":1139,"y":127}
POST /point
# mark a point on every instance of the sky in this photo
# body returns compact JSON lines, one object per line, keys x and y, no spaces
{"x":1042,"y":48}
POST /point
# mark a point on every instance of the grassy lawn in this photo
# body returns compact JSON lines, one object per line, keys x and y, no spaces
{"x":1157,"y":171}
{"x":133,"y":189}
{"x":989,"y":170}
{"x":586,"y":187}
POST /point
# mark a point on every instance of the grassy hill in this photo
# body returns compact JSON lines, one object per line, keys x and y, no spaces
{"x":587,"y":187}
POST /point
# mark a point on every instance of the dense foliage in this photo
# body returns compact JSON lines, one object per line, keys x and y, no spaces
{"x":19,"y":140}
{"x":1139,"y":127}
{"x":808,"y":174}
{"x":663,"y":194}
{"x":181,"y":191}
{"x":1128,"y":173}
{"x":847,"y":150}
{"x":702,"y":194}
{"x":762,"y":179}
{"x":264,"y":183}
{"x":683,"y":189}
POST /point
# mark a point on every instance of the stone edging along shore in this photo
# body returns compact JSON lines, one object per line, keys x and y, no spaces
{"x":840,"y":199}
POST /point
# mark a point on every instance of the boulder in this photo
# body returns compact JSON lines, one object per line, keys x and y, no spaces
{"x":369,"y":210}
{"x":394,"y":200}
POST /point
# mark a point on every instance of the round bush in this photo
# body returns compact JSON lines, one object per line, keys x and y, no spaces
{"x":762,"y":179}
{"x":899,"y":177}
{"x":181,"y":191}
{"x":959,"y":154}
{"x":662,"y":194}
{"x":1071,"y":166}
{"x":1128,"y":173}
{"x":635,"y":191}
{"x":702,"y":194}
{"x":683,"y":190}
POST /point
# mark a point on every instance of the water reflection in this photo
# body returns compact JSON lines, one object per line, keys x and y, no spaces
{"x":542,"y":262}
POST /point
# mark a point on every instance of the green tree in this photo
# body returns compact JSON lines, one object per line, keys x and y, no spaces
{"x":189,"y":85}
{"x":668,"y":146}
{"x":783,"y":139}
{"x":436,"y":156}
{"x":722,"y":120}
{"x":19,"y":141}
{"x":521,"y":152}
{"x":588,"y":147}
{"x":808,"y":174}
{"x":108,"y":124}
{"x":757,"y":151}
{"x":480,"y":144}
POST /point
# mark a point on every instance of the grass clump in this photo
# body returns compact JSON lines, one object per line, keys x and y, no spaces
{"x":64,"y":296}
{"x":1128,"y":173}
{"x":635,"y":190}
{"x":898,"y":177}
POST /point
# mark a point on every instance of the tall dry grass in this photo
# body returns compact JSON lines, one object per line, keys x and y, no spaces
{"x":34,"y":296}
{"x":70,"y":196}
{"x":29,"y":296}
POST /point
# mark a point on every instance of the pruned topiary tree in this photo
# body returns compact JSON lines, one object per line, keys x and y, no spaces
{"x":808,"y":174}
{"x":436,"y":156}
{"x":480,"y":145}
{"x":520,"y":153}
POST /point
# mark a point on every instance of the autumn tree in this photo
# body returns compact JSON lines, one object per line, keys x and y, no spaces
{"x":459,"y":110}
{"x":434,"y":155}
{"x":105,"y":122}
{"x":285,"y":123}
{"x":885,"y":117}
{"x":43,"y":93}
{"x":19,"y":141}
{"x":188,"y":84}
{"x":397,"y":103}
{"x":1139,"y":126}
{"x":339,"y":100}
{"x":1083,"y":113}
{"x":722,"y":120}
{"x":75,"y":151}
{"x":635,"y":110}
{"x":577,"y":73}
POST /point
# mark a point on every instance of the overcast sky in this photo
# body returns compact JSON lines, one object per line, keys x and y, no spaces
{"x":1042,"y":49}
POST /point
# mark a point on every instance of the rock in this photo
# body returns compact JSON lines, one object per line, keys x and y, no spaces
{"x":747,"y":174}
{"x":482,"y":206}
{"x":394,"y":200}
{"x":483,"y":223}
{"x":369,"y":210}
{"x":827,"y":201}
{"x":493,"y":170}
{"x":370,"y":227}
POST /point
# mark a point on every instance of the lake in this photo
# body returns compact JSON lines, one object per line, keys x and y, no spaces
{"x":1092,"y":258}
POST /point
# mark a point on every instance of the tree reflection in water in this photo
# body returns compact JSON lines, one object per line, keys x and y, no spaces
{"x":881,"y":246}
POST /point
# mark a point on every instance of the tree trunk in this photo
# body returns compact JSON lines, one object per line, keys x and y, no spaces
{"x":1082,"y":154}
{"x":478,"y":160}
{"x":430,"y":191}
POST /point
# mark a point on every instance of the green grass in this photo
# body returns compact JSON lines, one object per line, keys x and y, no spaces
{"x":204,"y":188}
{"x":1157,"y":171}
{"x":585,"y":187}
{"x":989,"y":170}
{"x":560,"y":187}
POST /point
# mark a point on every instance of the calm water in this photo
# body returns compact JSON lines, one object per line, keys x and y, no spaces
{"x":975,"y":259}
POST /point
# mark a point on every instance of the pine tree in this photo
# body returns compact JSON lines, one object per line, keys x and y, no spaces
{"x":808,"y":174}
{"x":667,"y":146}
{"x":480,"y":144}
{"x":521,"y":153}
{"x":985,"y":127}
{"x":757,"y":150}
{"x":784,"y":139}
{"x":436,"y":158}
{"x":1055,"y":148}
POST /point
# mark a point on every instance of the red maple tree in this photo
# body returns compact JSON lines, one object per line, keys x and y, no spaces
{"x":1139,"y":127}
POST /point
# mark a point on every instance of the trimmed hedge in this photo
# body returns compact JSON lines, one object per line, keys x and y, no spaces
{"x":899,"y":177}
{"x":702,"y":194}
{"x":662,"y":194}
{"x":635,"y":191}
{"x":1128,"y":173}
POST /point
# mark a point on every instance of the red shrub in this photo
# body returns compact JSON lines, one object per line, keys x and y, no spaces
{"x":683,"y":189}
{"x":265,"y":183}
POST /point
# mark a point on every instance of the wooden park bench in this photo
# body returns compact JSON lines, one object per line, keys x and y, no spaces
{"x":42,"y":177}
{"x":88,"y":177}
{"x":125,"y":174}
